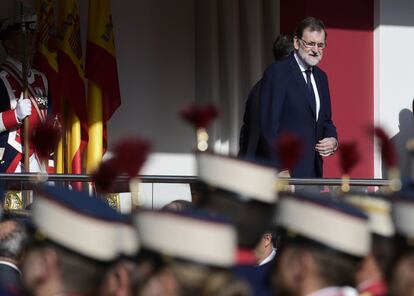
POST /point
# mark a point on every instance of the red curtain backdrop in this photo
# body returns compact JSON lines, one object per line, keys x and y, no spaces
{"x":349,"y":63}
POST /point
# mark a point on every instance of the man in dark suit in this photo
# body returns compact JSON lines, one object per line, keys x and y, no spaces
{"x":249,"y":141}
{"x":295,"y":99}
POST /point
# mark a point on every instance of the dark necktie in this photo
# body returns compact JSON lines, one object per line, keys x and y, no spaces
{"x":310,"y":89}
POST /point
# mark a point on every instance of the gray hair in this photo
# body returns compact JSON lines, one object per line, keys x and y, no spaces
{"x":13,"y":239}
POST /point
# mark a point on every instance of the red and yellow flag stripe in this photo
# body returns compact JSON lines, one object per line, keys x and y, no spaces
{"x":71,"y":78}
{"x":101,"y":70}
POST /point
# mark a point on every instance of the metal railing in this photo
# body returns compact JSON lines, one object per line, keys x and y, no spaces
{"x":33,"y":177}
{"x":18,"y":184}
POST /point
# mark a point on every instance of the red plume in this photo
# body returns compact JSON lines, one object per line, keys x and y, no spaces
{"x":131,"y":154}
{"x":45,"y":138}
{"x":387,"y":147}
{"x":289,"y":148}
{"x":348,"y":156}
{"x":105,"y":175}
{"x":199,"y":116}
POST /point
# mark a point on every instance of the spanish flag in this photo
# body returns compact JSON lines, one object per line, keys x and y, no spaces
{"x":46,"y":52}
{"x":71,"y":81}
{"x":101,"y":70}
{"x":45,"y":60}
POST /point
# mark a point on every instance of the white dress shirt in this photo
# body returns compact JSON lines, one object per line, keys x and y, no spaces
{"x":268,"y":258}
{"x":303,"y":67}
{"x":335,"y":291}
{"x":10,"y":265}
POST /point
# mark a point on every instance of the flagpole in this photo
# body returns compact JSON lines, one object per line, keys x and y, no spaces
{"x":25,"y":74}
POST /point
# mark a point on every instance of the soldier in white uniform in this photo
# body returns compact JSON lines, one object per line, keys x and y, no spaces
{"x":13,"y":107}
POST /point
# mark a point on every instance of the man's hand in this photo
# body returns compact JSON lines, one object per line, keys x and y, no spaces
{"x":327,"y":146}
{"x":23,"y":108}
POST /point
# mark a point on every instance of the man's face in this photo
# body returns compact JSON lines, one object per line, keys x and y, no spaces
{"x":309,"y":46}
{"x":16,"y":45}
{"x":287,"y":273}
{"x":402,"y":281}
{"x":32,"y":269}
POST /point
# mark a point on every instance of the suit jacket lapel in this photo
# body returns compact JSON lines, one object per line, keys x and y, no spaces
{"x":297,"y":73}
{"x":318,"y":80}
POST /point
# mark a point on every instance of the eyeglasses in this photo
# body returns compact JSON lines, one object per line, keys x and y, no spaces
{"x":313,"y":44}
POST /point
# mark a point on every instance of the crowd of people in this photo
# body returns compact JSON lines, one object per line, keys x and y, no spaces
{"x":240,"y":237}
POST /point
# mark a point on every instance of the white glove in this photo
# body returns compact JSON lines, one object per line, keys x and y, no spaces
{"x":23,"y":108}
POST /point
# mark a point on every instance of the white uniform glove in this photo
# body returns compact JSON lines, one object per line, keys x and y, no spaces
{"x":23,"y":108}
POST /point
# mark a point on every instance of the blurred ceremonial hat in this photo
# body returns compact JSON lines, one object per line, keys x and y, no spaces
{"x":326,"y":223}
{"x":193,"y":236}
{"x":241,"y":190}
{"x":83,"y":224}
{"x":403,"y":215}
{"x":242,"y":179}
{"x":378,"y":208}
